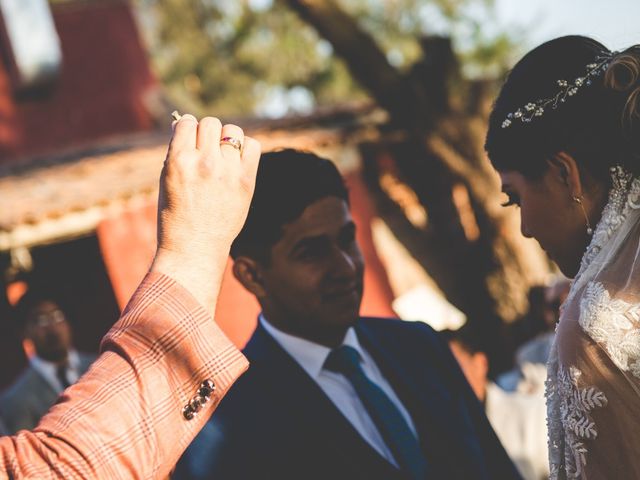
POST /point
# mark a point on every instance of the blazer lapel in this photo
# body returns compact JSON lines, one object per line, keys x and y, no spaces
{"x":444,"y":433}
{"x":312,"y":418}
{"x":41,"y":391}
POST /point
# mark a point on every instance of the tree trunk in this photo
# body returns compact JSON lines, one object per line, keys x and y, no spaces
{"x":489,"y":274}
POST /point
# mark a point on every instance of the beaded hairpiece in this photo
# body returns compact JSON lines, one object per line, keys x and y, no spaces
{"x":567,"y":89}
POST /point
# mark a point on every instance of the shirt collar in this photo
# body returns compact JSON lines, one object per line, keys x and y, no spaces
{"x":40,"y":364}
{"x":310,"y":355}
{"x":48,"y":370}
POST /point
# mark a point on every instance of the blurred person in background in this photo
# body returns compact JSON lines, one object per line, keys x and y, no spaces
{"x":533,"y":321}
{"x":530,"y":370}
{"x":537,"y":349}
{"x":53,"y":366}
{"x":330,"y":394}
{"x":517,"y":418}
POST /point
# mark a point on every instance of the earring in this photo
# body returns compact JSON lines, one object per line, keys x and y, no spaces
{"x":578,"y":200}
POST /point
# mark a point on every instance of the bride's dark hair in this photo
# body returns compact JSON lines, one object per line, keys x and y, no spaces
{"x":598,"y":124}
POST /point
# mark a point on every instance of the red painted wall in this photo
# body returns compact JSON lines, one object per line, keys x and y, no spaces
{"x":101,"y":91}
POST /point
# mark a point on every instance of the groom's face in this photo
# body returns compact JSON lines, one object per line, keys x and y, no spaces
{"x":313,"y":283}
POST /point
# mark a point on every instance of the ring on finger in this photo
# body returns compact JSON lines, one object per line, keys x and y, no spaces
{"x":232,"y":141}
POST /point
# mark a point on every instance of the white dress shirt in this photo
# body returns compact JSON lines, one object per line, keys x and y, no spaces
{"x":48,"y":370}
{"x":311,"y":357}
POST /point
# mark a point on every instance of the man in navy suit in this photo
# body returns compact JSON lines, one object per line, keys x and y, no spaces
{"x":329,"y":394}
{"x":54,"y":366}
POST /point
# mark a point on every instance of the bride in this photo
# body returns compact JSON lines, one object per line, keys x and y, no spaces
{"x":564,"y":135}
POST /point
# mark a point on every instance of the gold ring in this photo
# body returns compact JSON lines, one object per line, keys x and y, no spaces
{"x":233,"y":141}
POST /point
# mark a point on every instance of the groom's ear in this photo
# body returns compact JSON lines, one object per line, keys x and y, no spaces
{"x":249,"y":273}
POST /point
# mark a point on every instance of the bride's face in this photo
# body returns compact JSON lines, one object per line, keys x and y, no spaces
{"x":549,"y":214}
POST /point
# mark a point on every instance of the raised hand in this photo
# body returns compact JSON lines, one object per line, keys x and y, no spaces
{"x":205,"y":190}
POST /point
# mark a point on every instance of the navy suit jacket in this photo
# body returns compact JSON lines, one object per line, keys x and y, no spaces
{"x":276,"y":423}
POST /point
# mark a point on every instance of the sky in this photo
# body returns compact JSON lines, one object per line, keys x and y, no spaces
{"x":33,"y":38}
{"x":616,"y":23}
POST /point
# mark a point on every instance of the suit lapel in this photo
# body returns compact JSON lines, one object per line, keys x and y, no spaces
{"x":39,"y":392}
{"x":313,"y":420}
{"x":442,"y":428}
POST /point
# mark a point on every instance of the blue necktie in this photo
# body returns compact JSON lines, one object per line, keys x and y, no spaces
{"x":390,"y":423}
{"x":61,"y":374}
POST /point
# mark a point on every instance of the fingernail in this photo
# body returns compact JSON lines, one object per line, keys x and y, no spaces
{"x":188,"y":116}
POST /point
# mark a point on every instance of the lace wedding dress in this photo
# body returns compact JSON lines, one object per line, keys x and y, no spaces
{"x":593,"y":382}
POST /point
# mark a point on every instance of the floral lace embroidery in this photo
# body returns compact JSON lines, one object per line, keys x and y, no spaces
{"x":568,"y":418}
{"x":613,"y":324}
{"x":575,"y":405}
{"x":623,"y":197}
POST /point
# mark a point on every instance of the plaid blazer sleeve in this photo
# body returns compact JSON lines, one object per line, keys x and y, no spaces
{"x":124,"y":419}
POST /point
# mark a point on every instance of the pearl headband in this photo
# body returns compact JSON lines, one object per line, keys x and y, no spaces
{"x":567,"y":89}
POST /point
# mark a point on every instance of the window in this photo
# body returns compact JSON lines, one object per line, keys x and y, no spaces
{"x":33,"y":43}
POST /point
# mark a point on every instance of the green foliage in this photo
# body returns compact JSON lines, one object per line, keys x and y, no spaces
{"x":228,"y":57}
{"x":485,"y":49}
{"x":232,"y":58}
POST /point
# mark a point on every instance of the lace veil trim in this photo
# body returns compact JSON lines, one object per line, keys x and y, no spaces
{"x":612,"y":323}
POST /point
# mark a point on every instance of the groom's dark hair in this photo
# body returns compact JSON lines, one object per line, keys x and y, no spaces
{"x":288,"y":181}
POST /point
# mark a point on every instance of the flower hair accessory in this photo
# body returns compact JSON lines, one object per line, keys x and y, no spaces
{"x":567,"y":89}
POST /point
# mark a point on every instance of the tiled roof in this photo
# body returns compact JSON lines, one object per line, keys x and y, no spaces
{"x":47,"y":199}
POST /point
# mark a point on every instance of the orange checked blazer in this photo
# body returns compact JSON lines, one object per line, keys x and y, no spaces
{"x":125,"y":418}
